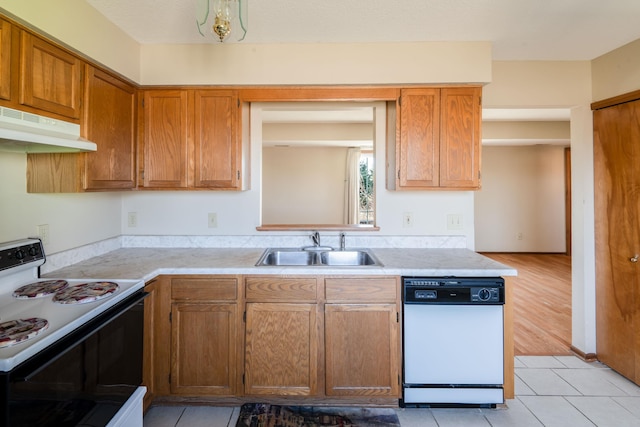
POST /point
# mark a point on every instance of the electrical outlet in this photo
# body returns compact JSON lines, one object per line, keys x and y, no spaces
{"x":132,"y":219}
{"x":519,"y":236}
{"x":43,"y":233}
{"x":213,"y":220}
{"x":407,"y":220}
{"x":454,"y":222}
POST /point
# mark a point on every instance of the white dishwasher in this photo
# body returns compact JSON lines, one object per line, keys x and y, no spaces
{"x":453,"y":341}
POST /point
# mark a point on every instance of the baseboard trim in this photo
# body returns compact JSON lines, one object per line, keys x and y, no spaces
{"x":587,"y":357}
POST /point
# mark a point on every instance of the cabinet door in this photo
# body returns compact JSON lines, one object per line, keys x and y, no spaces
{"x":617,"y":211}
{"x":156,"y":341}
{"x":217,"y":149}
{"x":109,"y":121}
{"x":51,"y":78}
{"x":460,"y":137}
{"x":281,"y":356}
{"x":418,"y":151}
{"x":5,"y":60}
{"x":165,"y":139}
{"x":362,"y":350}
{"x":203,"y":359}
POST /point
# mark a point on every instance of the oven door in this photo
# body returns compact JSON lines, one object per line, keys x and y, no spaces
{"x":88,"y":375}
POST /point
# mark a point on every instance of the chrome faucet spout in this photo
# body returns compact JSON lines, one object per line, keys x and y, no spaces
{"x":343,"y":238}
{"x":316,"y":239}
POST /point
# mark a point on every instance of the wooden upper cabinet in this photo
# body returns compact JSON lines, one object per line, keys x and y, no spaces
{"x":165,"y":139}
{"x":460,"y":137}
{"x":5,"y":60}
{"x":438,"y":144}
{"x":51,"y":78}
{"x":419,"y":138}
{"x":191,"y":139}
{"x":216,"y":145}
{"x":109,"y":121}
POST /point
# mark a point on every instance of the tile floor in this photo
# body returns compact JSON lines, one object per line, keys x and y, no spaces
{"x":551,"y":391}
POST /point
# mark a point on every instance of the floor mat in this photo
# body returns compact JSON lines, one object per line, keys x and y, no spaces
{"x":265,"y":415}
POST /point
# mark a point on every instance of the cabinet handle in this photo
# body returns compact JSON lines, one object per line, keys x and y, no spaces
{"x":634,"y":258}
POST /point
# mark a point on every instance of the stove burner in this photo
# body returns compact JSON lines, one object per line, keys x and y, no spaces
{"x":40,"y":289}
{"x":85,"y":292}
{"x":17,"y":331}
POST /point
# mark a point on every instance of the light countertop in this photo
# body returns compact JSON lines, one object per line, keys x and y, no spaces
{"x":147,"y":263}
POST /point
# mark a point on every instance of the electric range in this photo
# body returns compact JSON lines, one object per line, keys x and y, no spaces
{"x":19,"y":266}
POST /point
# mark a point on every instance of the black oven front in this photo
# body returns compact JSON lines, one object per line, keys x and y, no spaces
{"x":87,"y":375}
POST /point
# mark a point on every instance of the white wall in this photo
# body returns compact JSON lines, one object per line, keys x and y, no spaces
{"x":303,"y":185}
{"x":185,"y":213}
{"x":520,"y":207}
{"x":74,"y":219}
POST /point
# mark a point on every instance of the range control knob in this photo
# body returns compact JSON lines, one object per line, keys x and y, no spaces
{"x":484,"y":294}
{"x":33,"y":251}
{"x":19,"y":254}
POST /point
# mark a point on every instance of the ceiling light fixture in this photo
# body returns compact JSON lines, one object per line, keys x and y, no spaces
{"x":225,"y":18}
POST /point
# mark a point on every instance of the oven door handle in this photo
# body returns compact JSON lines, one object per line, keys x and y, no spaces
{"x":52,"y":353}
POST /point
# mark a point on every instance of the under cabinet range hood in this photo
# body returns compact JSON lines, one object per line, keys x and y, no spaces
{"x":22,"y":132}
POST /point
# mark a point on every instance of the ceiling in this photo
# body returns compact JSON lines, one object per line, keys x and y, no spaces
{"x":518,"y":30}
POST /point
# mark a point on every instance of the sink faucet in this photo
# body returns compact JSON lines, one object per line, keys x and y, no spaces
{"x":342,"y":240}
{"x":316,"y":239}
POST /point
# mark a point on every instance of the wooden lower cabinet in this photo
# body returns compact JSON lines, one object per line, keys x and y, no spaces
{"x":309,"y":339}
{"x":361,"y":350}
{"x":362,"y":337}
{"x":204,"y":335}
{"x":156,"y":341}
{"x":203,"y":348}
{"x":281,"y":355}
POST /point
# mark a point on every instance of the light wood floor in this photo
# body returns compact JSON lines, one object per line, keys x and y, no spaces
{"x":542,"y":302}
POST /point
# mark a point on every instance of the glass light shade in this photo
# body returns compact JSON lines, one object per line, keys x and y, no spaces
{"x":224,"y":19}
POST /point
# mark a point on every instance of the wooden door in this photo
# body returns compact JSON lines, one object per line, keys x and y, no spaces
{"x":418,"y":151}
{"x":217,"y":148}
{"x":617,"y":239}
{"x":281,"y":356}
{"x":51,"y":78}
{"x":109,"y":121}
{"x":203,"y":357}
{"x":165,"y":139}
{"x":5,"y":60}
{"x":460,"y":137}
{"x":361,"y":350}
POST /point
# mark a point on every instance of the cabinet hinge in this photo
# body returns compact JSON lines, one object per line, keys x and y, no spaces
{"x":398,"y":173}
{"x":170,"y":317}
{"x":169,"y":378}
{"x":397,"y":317}
{"x":238,"y":174}
{"x":244,"y":317}
{"x":142,"y":102}
{"x":238,"y":102}
{"x":242,"y":378}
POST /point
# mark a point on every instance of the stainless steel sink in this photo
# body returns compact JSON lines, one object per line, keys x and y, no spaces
{"x":287,"y":257}
{"x":301,"y":257}
{"x":356,"y":257}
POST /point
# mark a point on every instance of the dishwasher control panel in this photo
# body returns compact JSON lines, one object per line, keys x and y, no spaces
{"x":451,"y":290}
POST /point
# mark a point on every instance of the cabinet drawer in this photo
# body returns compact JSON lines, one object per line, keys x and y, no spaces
{"x":281,"y":289}
{"x":204,"y":288}
{"x":361,"y":289}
